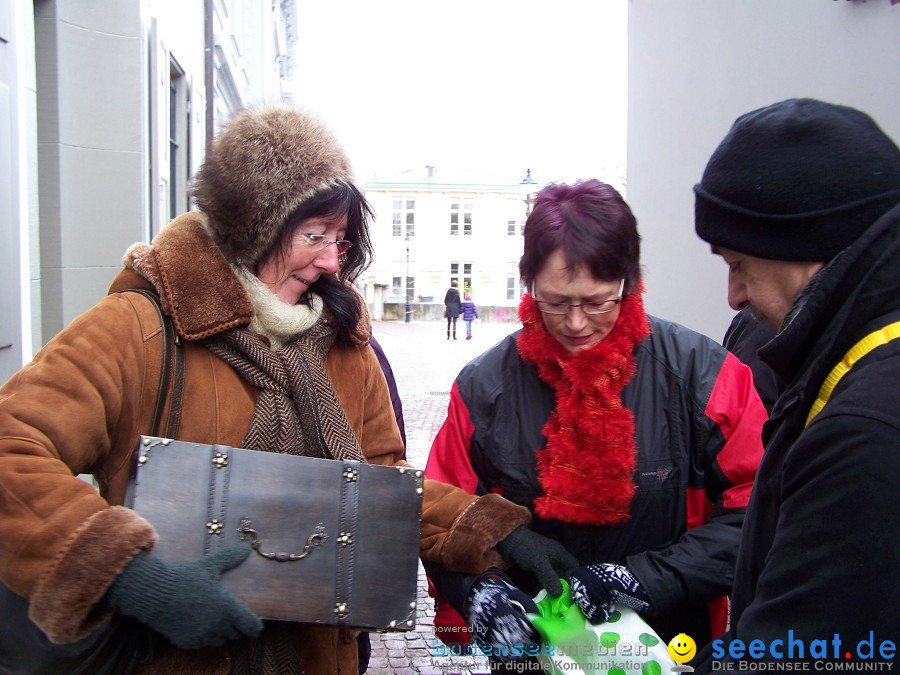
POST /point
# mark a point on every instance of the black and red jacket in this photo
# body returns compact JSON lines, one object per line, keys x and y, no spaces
{"x":697,"y":427}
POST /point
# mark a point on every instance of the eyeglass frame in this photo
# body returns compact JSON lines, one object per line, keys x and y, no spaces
{"x":569,"y":306}
{"x":311,"y":239}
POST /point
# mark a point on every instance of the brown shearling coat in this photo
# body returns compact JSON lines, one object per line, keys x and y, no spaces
{"x":81,"y":404}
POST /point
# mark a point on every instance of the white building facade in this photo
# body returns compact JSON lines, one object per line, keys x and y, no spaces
{"x":433,"y":226}
{"x":106,"y":107}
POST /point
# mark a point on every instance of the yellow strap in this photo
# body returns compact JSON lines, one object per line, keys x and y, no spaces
{"x":874,"y":339}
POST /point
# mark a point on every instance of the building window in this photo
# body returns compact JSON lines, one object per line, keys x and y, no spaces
{"x":514,"y":288}
{"x":465,"y":280}
{"x":398,"y":227}
{"x":404,"y":214}
{"x":410,"y":288}
{"x":396,"y":288}
{"x":514,"y":220}
{"x":461,"y":211}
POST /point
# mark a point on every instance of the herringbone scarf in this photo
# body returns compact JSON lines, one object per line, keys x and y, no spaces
{"x":297,"y":413}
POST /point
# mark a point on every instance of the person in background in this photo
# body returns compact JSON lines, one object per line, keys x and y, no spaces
{"x":275,"y":339}
{"x":632,"y":440}
{"x":801,"y":200}
{"x":743,"y":338}
{"x":452,"y":307}
{"x":396,"y":402}
{"x":469,"y":314}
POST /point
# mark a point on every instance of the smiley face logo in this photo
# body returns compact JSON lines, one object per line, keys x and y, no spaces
{"x":682,"y":648}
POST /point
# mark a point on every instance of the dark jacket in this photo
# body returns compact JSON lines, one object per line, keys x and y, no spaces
{"x":697,"y":420}
{"x":396,"y":401}
{"x":451,"y":300}
{"x":469,"y":310}
{"x":820,"y":553}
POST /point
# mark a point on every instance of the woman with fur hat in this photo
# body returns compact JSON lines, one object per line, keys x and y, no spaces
{"x":274,"y":340}
{"x":632,"y":440}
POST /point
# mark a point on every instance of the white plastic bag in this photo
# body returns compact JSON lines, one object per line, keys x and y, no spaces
{"x":624,"y":645}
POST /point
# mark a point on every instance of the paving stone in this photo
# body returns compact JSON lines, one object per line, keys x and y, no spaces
{"x":425,"y":365}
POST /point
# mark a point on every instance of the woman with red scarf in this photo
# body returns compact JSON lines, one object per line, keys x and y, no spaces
{"x":633,"y":441}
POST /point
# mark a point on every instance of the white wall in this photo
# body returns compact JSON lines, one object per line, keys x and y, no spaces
{"x":696,"y":65}
{"x":91,"y":149}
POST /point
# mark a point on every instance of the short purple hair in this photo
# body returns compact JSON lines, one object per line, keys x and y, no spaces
{"x":592,"y":225}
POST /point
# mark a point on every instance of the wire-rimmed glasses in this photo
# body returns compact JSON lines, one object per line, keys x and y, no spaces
{"x":589,"y":308}
{"x":320,"y":242}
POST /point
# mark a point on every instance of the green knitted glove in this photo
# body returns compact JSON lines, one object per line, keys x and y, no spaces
{"x":545,"y":558}
{"x":185,"y":601}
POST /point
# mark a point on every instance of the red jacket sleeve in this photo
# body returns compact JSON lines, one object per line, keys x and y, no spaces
{"x":449,"y":460}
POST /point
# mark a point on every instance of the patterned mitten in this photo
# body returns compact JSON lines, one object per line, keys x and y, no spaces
{"x":597,"y":589}
{"x":495,"y":611}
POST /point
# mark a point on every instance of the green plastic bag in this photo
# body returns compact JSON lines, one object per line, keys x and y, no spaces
{"x":624,"y":645}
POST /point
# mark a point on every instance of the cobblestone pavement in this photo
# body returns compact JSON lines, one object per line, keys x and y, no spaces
{"x":425,"y":364}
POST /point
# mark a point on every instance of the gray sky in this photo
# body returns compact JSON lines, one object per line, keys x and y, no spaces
{"x":495,"y":86}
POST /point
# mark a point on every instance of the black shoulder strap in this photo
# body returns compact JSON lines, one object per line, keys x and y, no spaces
{"x":171,"y":375}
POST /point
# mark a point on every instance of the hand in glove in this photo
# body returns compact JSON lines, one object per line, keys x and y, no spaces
{"x":185,"y":601}
{"x":495,"y":611}
{"x":545,"y":558}
{"x":597,"y":589}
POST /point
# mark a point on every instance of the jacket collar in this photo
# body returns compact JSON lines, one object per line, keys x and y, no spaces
{"x":196,"y":284}
{"x":840,"y":304}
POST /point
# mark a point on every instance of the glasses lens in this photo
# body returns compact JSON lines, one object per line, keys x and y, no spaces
{"x":553,"y":307}
{"x":598,"y":307}
{"x":343,"y":245}
{"x":315,"y":241}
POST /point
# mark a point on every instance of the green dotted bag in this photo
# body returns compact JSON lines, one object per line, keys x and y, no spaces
{"x":624,"y":645}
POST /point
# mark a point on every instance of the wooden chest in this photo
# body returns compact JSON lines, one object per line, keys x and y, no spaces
{"x":335,"y":542}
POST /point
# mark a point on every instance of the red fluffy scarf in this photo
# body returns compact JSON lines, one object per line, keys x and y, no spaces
{"x":586,"y":468}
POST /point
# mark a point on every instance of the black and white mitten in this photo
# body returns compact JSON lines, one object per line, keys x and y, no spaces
{"x":597,"y":589}
{"x":496,"y":611}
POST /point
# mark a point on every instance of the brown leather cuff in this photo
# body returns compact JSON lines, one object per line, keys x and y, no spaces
{"x":64,"y":599}
{"x":469,"y":546}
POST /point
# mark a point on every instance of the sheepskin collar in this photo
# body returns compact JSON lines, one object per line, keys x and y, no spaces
{"x":196,"y":284}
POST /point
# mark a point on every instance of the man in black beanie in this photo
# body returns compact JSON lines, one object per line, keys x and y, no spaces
{"x":802,"y":201}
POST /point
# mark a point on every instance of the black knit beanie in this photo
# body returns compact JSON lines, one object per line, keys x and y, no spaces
{"x":797,"y":180}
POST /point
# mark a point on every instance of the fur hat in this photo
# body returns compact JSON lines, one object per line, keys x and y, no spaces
{"x":261,"y":167}
{"x":797,"y":180}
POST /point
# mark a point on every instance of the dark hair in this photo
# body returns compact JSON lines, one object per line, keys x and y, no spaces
{"x":343,"y":301}
{"x":592,"y":225}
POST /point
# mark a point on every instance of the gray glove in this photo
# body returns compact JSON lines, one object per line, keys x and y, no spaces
{"x":185,"y":601}
{"x":545,"y":558}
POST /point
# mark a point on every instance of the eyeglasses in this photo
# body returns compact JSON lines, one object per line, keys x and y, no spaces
{"x":320,"y":242}
{"x":590,"y":308}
